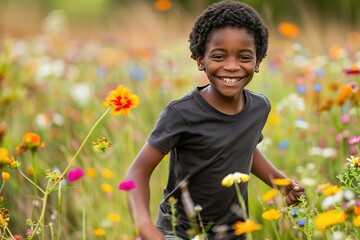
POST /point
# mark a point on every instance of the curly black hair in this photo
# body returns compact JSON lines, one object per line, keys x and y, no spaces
{"x":228,"y":13}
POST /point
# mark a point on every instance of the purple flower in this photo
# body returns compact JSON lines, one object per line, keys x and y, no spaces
{"x":74,"y":174}
{"x":127,"y":185}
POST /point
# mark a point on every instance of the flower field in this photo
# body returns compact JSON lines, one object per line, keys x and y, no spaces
{"x":74,"y":112}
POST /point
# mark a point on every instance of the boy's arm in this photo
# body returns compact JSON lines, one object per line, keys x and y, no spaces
{"x":266,"y":171}
{"x":139,"y":197}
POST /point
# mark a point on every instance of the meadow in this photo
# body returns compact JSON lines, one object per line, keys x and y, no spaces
{"x":63,"y":154}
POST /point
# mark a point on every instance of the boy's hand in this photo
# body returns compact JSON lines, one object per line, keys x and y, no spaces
{"x":293,"y":193}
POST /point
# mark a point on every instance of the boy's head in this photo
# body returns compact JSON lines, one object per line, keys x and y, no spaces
{"x":224,"y":14}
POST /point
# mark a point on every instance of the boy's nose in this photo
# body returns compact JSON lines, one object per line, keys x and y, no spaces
{"x":231,"y":64}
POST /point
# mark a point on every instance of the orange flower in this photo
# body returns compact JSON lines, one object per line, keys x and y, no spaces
{"x":31,"y":141}
{"x":5,"y":176}
{"x":163,"y":5}
{"x":288,"y":29}
{"x":99,"y":232}
{"x":245,"y":227}
{"x":328,"y":219}
{"x":4,"y":155}
{"x":345,"y":92}
{"x":122,"y":100}
{"x":269,"y":195}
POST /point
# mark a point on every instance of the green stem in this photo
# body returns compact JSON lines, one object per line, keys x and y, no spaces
{"x":80,"y":148}
{"x":59,"y":211}
{"x":241,"y":201}
{"x":275,"y":230}
{"x":34,"y":184}
{"x":42,"y":215}
{"x":2,"y":186}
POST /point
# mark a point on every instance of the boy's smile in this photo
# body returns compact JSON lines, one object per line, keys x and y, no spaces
{"x":229,"y":62}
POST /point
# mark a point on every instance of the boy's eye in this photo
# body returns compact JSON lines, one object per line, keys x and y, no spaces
{"x":245,"y":58}
{"x":218,"y":57}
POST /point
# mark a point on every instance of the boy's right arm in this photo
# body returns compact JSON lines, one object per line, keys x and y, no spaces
{"x":139,"y":197}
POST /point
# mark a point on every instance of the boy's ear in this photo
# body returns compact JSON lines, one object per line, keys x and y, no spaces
{"x":200,"y":63}
{"x":257,"y":66}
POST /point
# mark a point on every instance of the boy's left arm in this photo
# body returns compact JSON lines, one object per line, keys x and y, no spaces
{"x":266,"y":171}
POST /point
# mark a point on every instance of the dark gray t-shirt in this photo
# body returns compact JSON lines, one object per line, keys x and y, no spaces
{"x":205,"y":145}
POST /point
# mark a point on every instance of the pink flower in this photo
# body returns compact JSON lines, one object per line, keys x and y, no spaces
{"x":18,"y":237}
{"x":354,"y":140}
{"x":127,"y":185}
{"x":74,"y":174}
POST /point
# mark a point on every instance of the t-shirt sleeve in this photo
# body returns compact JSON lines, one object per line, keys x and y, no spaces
{"x":168,"y":130}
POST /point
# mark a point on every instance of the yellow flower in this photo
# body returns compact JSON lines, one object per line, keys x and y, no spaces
{"x":356,"y":221}
{"x":288,"y":29}
{"x":106,"y":188}
{"x":245,"y":227}
{"x":4,"y":155}
{"x":331,"y":190}
{"x":5,"y":176}
{"x":99,"y":232}
{"x":271,"y":214}
{"x":122,"y":100}
{"x":269,"y":195}
{"x":241,"y":177}
{"x":228,"y":180}
{"x":281,"y":181}
{"x":107,"y":173}
{"x":113,"y":217}
{"x":328,"y":219}
{"x":238,"y":177}
{"x":91,"y":172}
{"x":354,"y":160}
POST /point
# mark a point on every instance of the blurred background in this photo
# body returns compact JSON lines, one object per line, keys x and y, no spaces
{"x":60,"y":58}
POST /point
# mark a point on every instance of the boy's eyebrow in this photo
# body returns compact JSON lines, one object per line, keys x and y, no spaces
{"x":224,"y":50}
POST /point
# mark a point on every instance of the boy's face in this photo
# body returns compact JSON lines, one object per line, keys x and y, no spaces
{"x":229,"y":60}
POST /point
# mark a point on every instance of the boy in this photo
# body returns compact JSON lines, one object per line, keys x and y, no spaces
{"x":212,"y":131}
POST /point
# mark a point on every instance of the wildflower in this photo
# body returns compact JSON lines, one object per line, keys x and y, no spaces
{"x":331,"y":190}
{"x":228,"y":181}
{"x":353,"y":70}
{"x":288,"y":29}
{"x":107,"y":188}
{"x":354,"y":160}
{"x":5,"y":176}
{"x":18,"y":237}
{"x":245,"y":227}
{"x":75,"y":174}
{"x":4,"y":217}
{"x":127,"y":185}
{"x":326,"y":106}
{"x":122,"y":100}
{"x":271,"y":214}
{"x":328,"y":219}
{"x":4,"y":155}
{"x":294,"y":212}
{"x":163,"y":5}
{"x":99,"y":232}
{"x":269,"y":195}
{"x":354,"y":140}
{"x":301,"y":222}
{"x":113,"y":217}
{"x":101,"y":144}
{"x":91,"y":172}
{"x":238,"y":177}
{"x":31,"y":141}
{"x":344,"y":93}
{"x":107,"y":173}
{"x":281,"y":182}
{"x":356,"y":221}
{"x":241,"y":177}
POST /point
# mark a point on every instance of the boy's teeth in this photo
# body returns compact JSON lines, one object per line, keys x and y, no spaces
{"x":230,"y":80}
